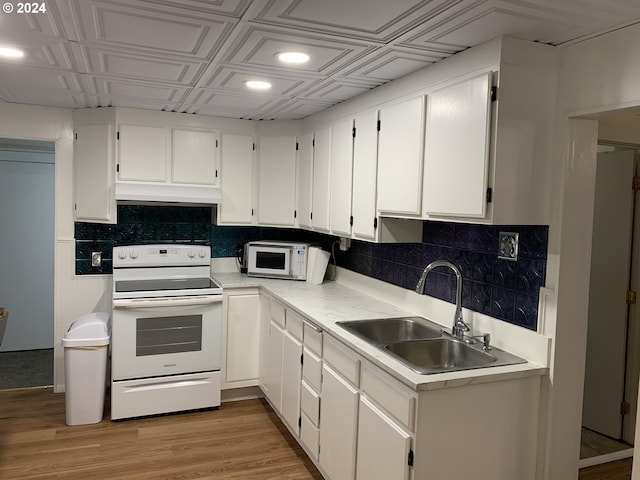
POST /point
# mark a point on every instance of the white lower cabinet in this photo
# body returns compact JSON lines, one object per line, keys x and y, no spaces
{"x":338,"y":428}
{"x":383,"y":446}
{"x":273,"y":377}
{"x":291,"y":377}
{"x":242,"y":327}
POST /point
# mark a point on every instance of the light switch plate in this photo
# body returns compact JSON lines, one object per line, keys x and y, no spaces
{"x":96,"y":259}
{"x":508,"y":246}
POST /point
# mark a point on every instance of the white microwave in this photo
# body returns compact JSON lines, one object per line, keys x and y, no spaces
{"x":275,"y":259}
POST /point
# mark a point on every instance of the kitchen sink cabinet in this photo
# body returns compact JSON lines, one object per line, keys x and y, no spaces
{"x":276,"y":180}
{"x":321,"y":191}
{"x":400,"y":157}
{"x":236,"y":180}
{"x":241,"y":329}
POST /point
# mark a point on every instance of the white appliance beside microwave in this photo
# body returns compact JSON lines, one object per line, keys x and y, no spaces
{"x":277,"y":259}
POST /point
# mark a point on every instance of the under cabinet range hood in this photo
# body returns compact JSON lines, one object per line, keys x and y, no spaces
{"x":163,"y":192}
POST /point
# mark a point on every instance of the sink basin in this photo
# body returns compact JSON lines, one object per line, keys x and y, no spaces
{"x":440,"y":355}
{"x":392,"y":330}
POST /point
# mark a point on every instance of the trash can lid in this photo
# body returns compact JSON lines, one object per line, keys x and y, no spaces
{"x":90,"y":330}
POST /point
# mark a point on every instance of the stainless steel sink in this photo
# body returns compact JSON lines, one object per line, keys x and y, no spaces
{"x":391,"y":330}
{"x":422,"y":346}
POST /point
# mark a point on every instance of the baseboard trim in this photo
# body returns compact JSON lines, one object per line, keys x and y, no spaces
{"x":609,"y":457}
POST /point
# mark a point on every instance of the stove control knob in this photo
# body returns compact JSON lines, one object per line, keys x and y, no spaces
{"x":202,"y":253}
{"x":191,"y":253}
{"x":122,"y":254}
{"x":133,"y":254}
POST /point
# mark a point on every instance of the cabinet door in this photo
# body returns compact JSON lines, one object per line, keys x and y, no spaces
{"x":93,"y":170}
{"x":365,"y":165}
{"x":338,"y":426}
{"x":273,"y":379}
{"x":277,"y":181}
{"x":305,"y":179}
{"x":263,"y":364}
{"x":341,"y":177}
{"x":193,"y":158}
{"x":383,"y":447}
{"x":142,"y":153}
{"x":400,"y":157}
{"x":321,"y":177}
{"x":456,"y":158}
{"x":243,"y":333}
{"x":291,"y":378}
{"x":236,"y":180}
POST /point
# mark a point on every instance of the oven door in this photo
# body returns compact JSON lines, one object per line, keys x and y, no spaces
{"x":165,"y":336}
{"x":266,"y":261}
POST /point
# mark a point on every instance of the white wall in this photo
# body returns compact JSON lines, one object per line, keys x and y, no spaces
{"x":595,"y":76}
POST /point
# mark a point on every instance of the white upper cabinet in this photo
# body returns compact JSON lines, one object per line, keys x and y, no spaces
{"x":93,"y":165}
{"x":456,"y":158}
{"x":365,"y":165}
{"x":236,"y":180}
{"x":194,"y":156}
{"x":400,"y":157}
{"x":304,"y":184}
{"x":277,"y":180}
{"x":321,"y":178}
{"x":341,"y":177}
{"x":142,"y":153}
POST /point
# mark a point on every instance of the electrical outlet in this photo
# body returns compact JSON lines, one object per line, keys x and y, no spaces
{"x":508,"y":246}
{"x":96,"y":259}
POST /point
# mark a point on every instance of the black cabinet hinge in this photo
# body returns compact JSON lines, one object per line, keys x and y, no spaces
{"x":216,"y":143}
{"x":489,"y":194}
{"x":410,"y":458}
{"x":299,"y":422}
{"x":254,"y":146}
{"x":494,"y":94}
{"x":76,"y":136}
{"x":117,"y":167}
{"x":378,"y":127}
{"x":313,"y":142}
{"x":375,"y":223}
{"x":354,"y":132}
{"x":311,"y":215}
{"x":301,"y":359}
{"x":295,"y":214}
{"x":216,"y":173}
{"x":252,"y":212}
{"x":351,"y":220}
{"x":297,"y":146}
{"x":117,"y":135}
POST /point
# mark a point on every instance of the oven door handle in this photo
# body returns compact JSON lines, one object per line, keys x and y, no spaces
{"x":166,"y":302}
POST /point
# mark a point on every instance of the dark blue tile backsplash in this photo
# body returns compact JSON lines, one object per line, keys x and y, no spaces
{"x":501,"y":288}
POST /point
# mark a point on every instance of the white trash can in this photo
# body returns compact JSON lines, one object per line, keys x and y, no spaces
{"x":86,"y":346}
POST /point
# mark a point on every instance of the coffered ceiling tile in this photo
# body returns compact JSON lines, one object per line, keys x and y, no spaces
{"x":232,"y":80}
{"x":233,"y":8}
{"x":117,"y":63}
{"x":391,"y":63}
{"x":379,"y":21}
{"x":121,"y":92}
{"x":224,"y":104}
{"x":48,"y":87}
{"x":24,"y":27}
{"x":144,"y":26}
{"x":50,"y":54}
{"x":295,"y":109}
{"x":257,"y":48}
{"x":338,"y":90}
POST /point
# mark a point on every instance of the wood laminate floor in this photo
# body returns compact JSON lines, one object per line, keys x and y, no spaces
{"x":241,"y":440}
{"x":619,"y":470}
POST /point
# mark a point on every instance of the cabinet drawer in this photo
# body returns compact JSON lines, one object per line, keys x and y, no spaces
{"x":313,"y":338}
{"x":310,"y":403}
{"x":294,"y":324}
{"x":311,"y":369}
{"x":342,"y":359}
{"x":276,"y":312}
{"x":391,"y":395}
{"x":310,"y":437}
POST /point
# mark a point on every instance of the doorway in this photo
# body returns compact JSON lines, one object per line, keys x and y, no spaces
{"x":612,"y":362}
{"x":26,"y":287}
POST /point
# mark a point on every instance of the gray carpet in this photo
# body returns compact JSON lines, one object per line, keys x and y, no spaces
{"x":29,"y":368}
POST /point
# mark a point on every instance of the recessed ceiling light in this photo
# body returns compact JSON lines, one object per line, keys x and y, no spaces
{"x":292,"y":57}
{"x":11,"y":52}
{"x":257,"y":84}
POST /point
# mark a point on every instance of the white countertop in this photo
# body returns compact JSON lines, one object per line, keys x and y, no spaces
{"x":331,"y":302}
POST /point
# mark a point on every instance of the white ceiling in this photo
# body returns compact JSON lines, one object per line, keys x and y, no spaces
{"x":194,"y":55}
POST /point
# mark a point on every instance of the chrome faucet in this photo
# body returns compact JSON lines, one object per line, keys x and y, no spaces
{"x":459,"y":325}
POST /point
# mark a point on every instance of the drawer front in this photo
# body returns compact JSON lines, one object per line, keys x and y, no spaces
{"x":311,"y":369}
{"x":342,"y":359}
{"x":391,"y":395}
{"x":310,"y":437}
{"x":313,"y":338}
{"x":276,"y":312}
{"x":310,"y":403}
{"x":294,"y":325}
